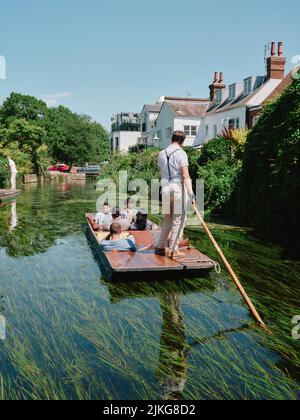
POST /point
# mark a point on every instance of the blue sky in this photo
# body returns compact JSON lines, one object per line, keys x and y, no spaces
{"x":99,"y":57}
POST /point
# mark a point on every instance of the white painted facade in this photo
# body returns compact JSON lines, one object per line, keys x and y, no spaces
{"x":212,"y":123}
{"x":148,"y":126}
{"x":121,"y":141}
{"x":167,"y":123}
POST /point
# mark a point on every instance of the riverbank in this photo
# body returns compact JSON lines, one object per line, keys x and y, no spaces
{"x":62,"y":318}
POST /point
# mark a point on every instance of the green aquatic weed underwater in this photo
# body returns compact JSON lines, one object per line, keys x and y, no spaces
{"x":71,"y":334}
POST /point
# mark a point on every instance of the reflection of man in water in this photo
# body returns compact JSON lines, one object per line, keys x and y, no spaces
{"x":172,"y":371}
{"x":13,"y":173}
{"x":14,"y":217}
{"x":2,"y":328}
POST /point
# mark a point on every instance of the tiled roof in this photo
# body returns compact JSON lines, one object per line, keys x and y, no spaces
{"x":154,"y":108}
{"x":238,"y":102}
{"x":186,"y":99}
{"x":187,"y":109}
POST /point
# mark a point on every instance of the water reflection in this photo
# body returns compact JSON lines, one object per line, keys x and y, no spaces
{"x":45,"y":213}
{"x":2,"y":328}
{"x":13,"y":223}
{"x":70,"y":337}
{"x":172,"y":368}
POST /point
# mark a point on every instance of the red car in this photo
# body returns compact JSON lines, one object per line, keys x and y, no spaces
{"x":59,"y":168}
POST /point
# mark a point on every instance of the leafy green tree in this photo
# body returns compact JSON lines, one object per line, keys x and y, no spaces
{"x":18,"y":106}
{"x":218,"y":148}
{"x":220,"y":179}
{"x":73,"y":138}
{"x":4,"y":172}
{"x":270,"y":179}
{"x":24,"y":142}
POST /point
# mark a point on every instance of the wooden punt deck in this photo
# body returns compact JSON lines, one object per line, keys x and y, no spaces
{"x":192,"y":261}
{"x":8,"y":194}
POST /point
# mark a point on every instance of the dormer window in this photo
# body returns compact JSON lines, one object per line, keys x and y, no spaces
{"x":219,"y":97}
{"x":248,"y":86}
{"x":232,"y":92}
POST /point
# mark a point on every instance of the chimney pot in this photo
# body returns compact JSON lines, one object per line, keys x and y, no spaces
{"x":273,"y":49}
{"x":221,"y":78}
{"x":276,"y":63}
{"x":215,"y":77}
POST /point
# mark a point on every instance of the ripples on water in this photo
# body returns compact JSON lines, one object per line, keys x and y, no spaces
{"x":65,"y":332}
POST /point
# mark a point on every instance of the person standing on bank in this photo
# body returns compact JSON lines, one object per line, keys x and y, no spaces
{"x":13,"y":173}
{"x":176,"y":190}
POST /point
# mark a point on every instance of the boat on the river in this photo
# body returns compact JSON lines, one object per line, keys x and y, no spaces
{"x":6,"y":195}
{"x":117,"y":264}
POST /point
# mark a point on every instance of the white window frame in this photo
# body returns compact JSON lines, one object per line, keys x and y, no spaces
{"x":232,"y":92}
{"x":187,"y":130}
{"x":194,"y":129}
{"x":235,"y":123}
{"x":248,"y":85}
{"x":219,"y":97}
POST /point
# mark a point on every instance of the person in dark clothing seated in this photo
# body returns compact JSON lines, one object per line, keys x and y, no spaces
{"x":115,"y":243}
{"x":142,"y":222}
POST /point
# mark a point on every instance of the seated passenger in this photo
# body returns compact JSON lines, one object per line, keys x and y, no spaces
{"x":115,"y":243}
{"x":104,"y":217}
{"x":142,"y":222}
{"x":129,"y":211}
{"x":116,"y":216}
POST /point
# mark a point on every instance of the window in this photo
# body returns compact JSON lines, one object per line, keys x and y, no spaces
{"x":247,"y":86}
{"x":232,"y":92}
{"x":190,"y":130}
{"x":187,"y":129}
{"x":193,"y":130}
{"x":215,"y":131}
{"x":207,"y":130}
{"x":117,"y":143}
{"x":219,"y":96}
{"x":233,"y":123}
{"x":112,"y":144}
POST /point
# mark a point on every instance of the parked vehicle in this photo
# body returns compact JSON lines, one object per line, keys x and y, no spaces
{"x":89,"y":170}
{"x":59,"y":168}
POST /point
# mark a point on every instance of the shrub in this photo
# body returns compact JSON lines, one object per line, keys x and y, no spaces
{"x":270,"y":179}
{"x":219,"y":169}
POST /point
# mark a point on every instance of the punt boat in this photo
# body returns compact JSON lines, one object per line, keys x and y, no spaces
{"x":130,"y":265}
{"x":6,"y":195}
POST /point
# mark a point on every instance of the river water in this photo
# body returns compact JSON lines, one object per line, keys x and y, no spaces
{"x":67,"y":333}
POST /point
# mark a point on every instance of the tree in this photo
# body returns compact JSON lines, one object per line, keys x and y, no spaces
{"x":18,"y":106}
{"x":270,"y":179}
{"x":219,"y":168}
{"x":25,"y":143}
{"x":73,"y":138}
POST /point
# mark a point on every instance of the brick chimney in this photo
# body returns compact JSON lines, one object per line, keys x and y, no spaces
{"x":216,"y":85}
{"x":276,"y":63}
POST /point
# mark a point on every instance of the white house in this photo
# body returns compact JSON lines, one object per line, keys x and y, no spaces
{"x":180,"y":114}
{"x":239,"y":104}
{"x":149,"y":117}
{"x":125,"y":131}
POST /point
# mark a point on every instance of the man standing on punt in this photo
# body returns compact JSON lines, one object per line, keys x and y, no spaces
{"x":176,"y":191}
{"x":13,"y":173}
